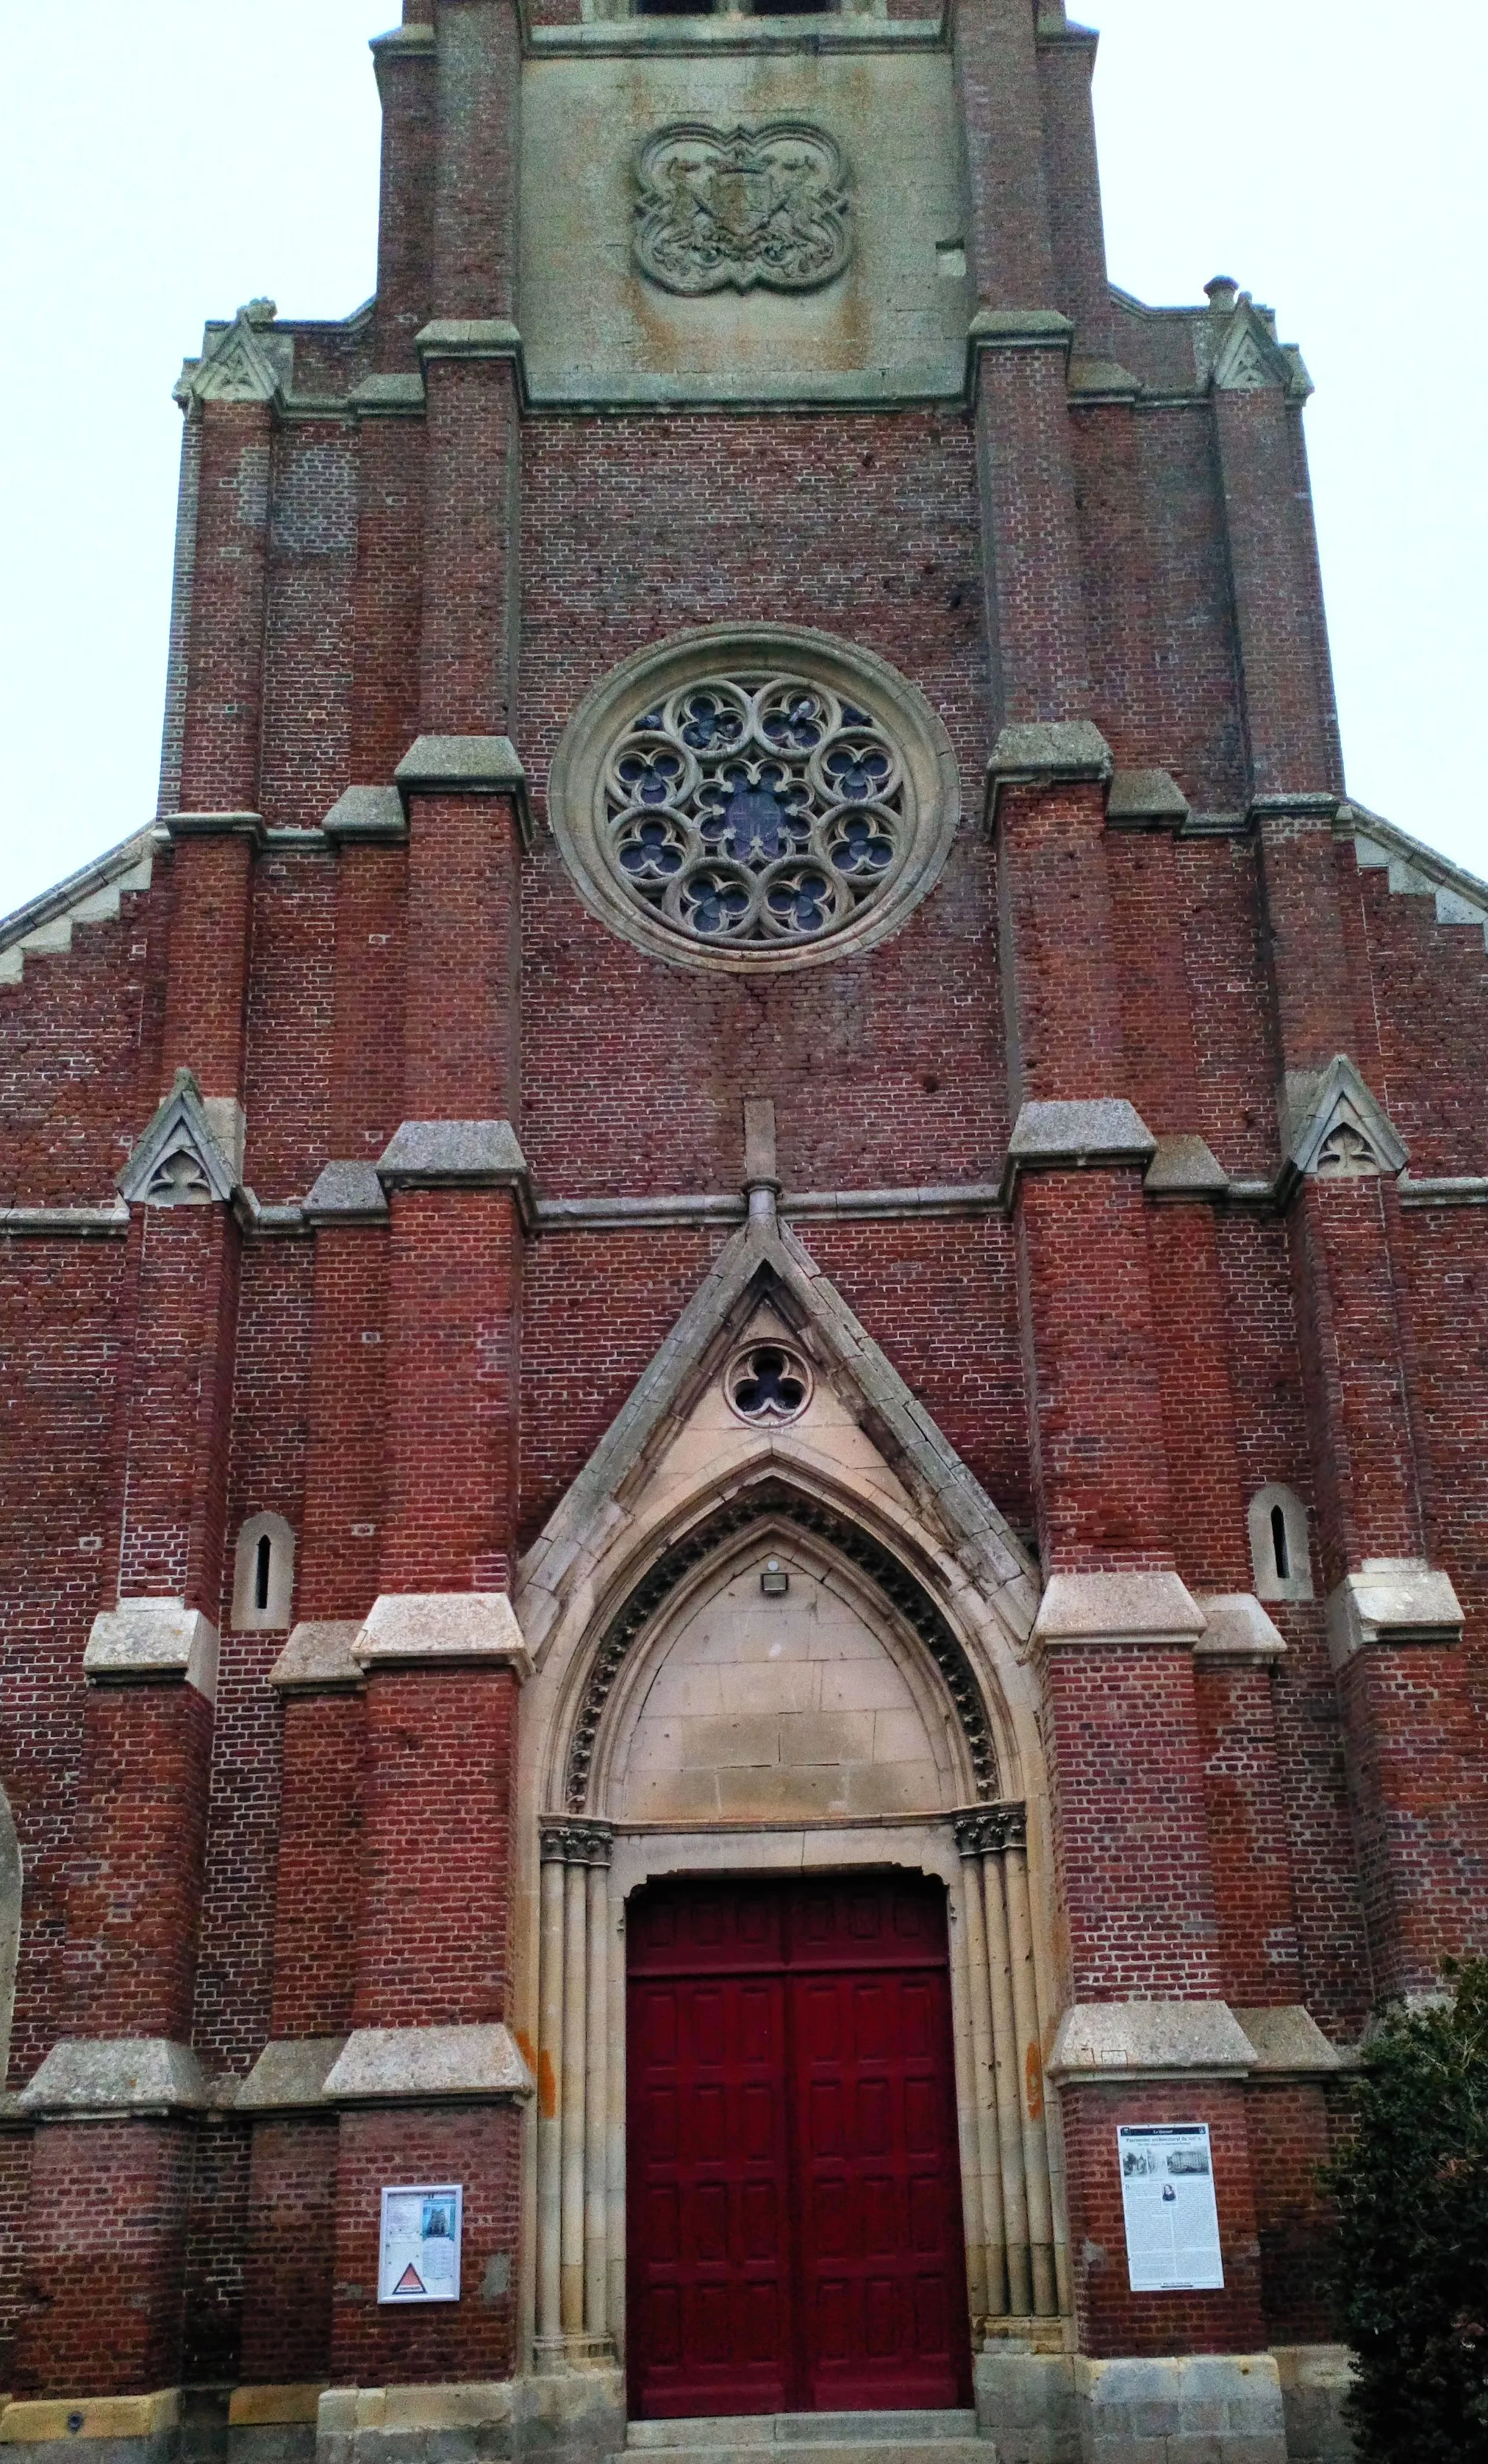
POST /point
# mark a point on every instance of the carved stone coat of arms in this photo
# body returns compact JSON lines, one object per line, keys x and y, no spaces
{"x":733,"y":207}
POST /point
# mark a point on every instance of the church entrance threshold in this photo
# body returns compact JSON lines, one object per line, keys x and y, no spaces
{"x":794,"y":2181}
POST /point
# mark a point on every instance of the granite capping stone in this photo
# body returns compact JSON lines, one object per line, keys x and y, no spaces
{"x":1040,"y":753}
{"x":150,"y":1641}
{"x":458,"y":1154}
{"x":1120,"y":2040}
{"x":118,"y":2075}
{"x":421,"y":2065}
{"x":421,"y":41}
{"x":370,"y":813}
{"x":389,"y":396}
{"x":468,"y":338}
{"x":1094,"y":378}
{"x":1141,"y":1605}
{"x":1142,"y":800}
{"x":69,"y":1222}
{"x":319,"y":1658}
{"x":467,"y":765}
{"x":1390,"y":1603}
{"x":1050,"y":1137}
{"x":289,"y":2076}
{"x":1287,"y":2042}
{"x":347,"y":1193}
{"x":1186,"y":1166}
{"x":1295,"y":803}
{"x":432,"y":1628}
{"x":218,"y":825}
{"x":1237,"y":1630}
{"x":1019,"y":329}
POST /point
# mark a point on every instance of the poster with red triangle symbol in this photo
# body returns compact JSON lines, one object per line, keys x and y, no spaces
{"x":419,"y":2257}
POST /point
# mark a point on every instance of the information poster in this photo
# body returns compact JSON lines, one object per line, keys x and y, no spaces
{"x":420,"y":2260}
{"x":1172,"y":2223}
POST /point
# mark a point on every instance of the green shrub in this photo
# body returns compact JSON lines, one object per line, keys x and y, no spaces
{"x":1412,"y":2187}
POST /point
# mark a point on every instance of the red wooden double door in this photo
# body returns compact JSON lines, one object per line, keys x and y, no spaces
{"x":793,"y":2179}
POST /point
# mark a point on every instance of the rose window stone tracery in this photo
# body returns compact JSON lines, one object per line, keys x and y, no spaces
{"x":762,"y":809}
{"x":752,"y":796}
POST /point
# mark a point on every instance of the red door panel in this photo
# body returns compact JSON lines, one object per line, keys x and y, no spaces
{"x":794,"y":2177}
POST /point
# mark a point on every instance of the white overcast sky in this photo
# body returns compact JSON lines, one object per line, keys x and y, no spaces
{"x":162,"y":161}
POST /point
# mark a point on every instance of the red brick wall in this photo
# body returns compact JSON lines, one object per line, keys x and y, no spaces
{"x":224,"y":715}
{"x":863,"y":524}
{"x":345,"y":1405}
{"x":308,"y":672}
{"x":473,"y":452}
{"x":387,"y":604}
{"x":1100,"y":1464}
{"x":434,"y":1948}
{"x":1131,"y":1850}
{"x":406,"y":85}
{"x":58,"y":1305}
{"x":1430,"y":1026}
{"x":1249,"y":1851}
{"x":290,"y":2251}
{"x":473,"y":2338}
{"x":367,"y":1052}
{"x":460,"y":1033}
{"x":216,"y":2224}
{"x":287,"y":1088}
{"x":1111,"y":2318}
{"x":1057,"y":948}
{"x":1163,"y":653}
{"x":14,"y":2198}
{"x":1292,"y":2135}
{"x":170,"y":1441}
{"x":1447,"y":1252}
{"x":102,"y":2313}
{"x":132,"y":1911}
{"x":1209,"y":1528}
{"x":319,"y":1870}
{"x":78,"y":1055}
{"x":454,"y":1345}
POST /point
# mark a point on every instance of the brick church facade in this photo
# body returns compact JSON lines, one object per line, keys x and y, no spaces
{"x":745,"y":1284}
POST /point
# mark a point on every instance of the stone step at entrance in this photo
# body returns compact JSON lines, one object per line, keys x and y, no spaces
{"x":813,"y":2438}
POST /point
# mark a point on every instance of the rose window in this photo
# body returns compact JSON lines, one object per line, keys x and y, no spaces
{"x":753,"y":797}
{"x":762,"y":810}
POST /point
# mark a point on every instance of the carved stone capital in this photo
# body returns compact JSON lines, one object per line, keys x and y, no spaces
{"x":572,"y":1842}
{"x":991,"y":1830}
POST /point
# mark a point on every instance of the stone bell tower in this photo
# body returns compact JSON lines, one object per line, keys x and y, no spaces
{"x":745,"y":1575}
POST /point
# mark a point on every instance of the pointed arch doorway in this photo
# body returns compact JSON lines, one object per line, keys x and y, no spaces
{"x":796,"y":2237}
{"x":782,"y":1691}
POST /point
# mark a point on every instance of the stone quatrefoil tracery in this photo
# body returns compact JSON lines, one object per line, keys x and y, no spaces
{"x":772,"y":1499}
{"x":758,"y":811}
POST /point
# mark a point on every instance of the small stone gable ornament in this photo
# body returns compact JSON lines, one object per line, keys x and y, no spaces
{"x":178,"y":1161}
{"x":721,"y":209}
